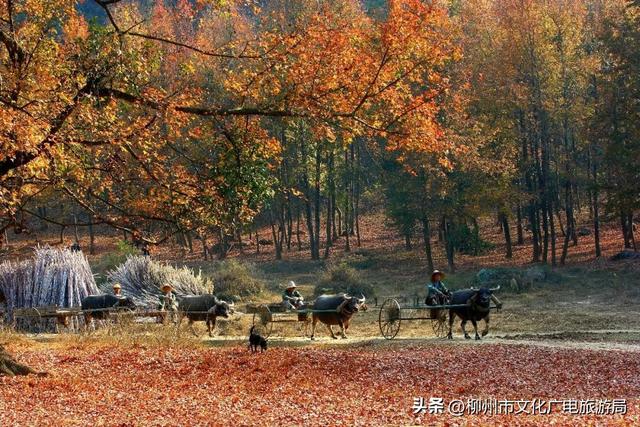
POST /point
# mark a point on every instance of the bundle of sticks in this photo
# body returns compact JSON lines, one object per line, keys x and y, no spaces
{"x":142,"y":278}
{"x":53,"y":277}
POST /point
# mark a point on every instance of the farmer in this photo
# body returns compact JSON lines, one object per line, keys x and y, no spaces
{"x":291,"y":298}
{"x":168,"y":302}
{"x":437,"y":292}
{"x":117,"y":290}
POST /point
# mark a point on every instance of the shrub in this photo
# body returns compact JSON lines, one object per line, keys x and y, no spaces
{"x":468,"y":241}
{"x":341,"y":277}
{"x":234,"y":280}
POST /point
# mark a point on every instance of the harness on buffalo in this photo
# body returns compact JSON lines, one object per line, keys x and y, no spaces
{"x":475,"y":306}
{"x":342,"y":309}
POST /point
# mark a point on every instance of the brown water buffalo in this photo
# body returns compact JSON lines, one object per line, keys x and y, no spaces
{"x":336,"y":310}
{"x":204,"y":308}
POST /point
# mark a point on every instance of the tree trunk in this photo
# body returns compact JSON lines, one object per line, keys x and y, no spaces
{"x":596,"y":213}
{"x":552,"y":230}
{"x":533,"y":223}
{"x":92,"y":237}
{"x":289,"y":223}
{"x":504,"y":220}
{"x":329,"y":230}
{"x":570,"y":223}
{"x":340,"y":221}
{"x":277,"y":243}
{"x":426,"y":236}
{"x":347,"y":230}
{"x":545,"y":227}
{"x":631,"y":233}
{"x":222,"y":244}
{"x":309,"y":221}
{"x":407,"y":241}
{"x":520,"y":234}
{"x":357,"y":195}
{"x":75,"y":228}
{"x":189,"y":240}
{"x":448,"y":244}
{"x":350,"y":192}
{"x":307,"y":203}
{"x":625,"y":231}
{"x":317,"y":200}
{"x":298,"y":240}
{"x":559,"y":218}
{"x":205,"y":249}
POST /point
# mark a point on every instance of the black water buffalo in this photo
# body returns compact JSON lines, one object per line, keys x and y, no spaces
{"x":99,"y":306}
{"x":479,"y":302}
{"x":339,"y":308}
{"x":204,"y":308}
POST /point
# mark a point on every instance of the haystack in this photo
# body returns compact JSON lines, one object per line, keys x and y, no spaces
{"x":141,"y":279}
{"x":52,"y":277}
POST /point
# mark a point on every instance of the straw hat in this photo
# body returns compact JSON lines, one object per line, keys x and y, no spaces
{"x":442,"y":275}
{"x":167,"y":286}
{"x":292,"y":285}
{"x":117,"y":286}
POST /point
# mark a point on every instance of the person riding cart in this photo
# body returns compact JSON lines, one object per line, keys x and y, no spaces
{"x":117,"y":290}
{"x":168,"y":302}
{"x":291,"y":298}
{"x":437,"y":292}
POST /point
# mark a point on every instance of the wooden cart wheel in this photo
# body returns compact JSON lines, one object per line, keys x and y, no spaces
{"x":439,"y":322}
{"x":389,"y":318}
{"x":40,"y":323}
{"x":304,"y":325}
{"x":262,"y":320}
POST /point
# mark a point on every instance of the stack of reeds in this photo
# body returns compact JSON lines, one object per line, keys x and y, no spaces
{"x":53,"y":277}
{"x":142,"y":278}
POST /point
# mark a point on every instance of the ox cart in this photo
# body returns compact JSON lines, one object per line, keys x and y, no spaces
{"x":392,"y":314}
{"x":44,"y":318}
{"x":53,"y":318}
{"x":266,"y":315}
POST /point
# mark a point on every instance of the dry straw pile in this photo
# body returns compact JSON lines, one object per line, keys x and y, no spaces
{"x":141,"y":279}
{"x":53,"y":276}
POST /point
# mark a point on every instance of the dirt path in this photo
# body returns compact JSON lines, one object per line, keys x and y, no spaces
{"x":597,"y":340}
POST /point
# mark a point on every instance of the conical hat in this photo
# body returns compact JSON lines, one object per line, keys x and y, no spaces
{"x":437,"y":272}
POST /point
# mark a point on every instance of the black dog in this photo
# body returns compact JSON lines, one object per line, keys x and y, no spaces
{"x":256,"y":340}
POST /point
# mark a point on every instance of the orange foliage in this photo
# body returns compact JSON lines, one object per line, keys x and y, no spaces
{"x":296,"y":386}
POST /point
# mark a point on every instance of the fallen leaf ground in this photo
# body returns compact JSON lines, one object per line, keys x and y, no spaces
{"x":308,"y":386}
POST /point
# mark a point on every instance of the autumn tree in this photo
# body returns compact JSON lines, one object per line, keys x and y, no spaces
{"x":159,"y":115}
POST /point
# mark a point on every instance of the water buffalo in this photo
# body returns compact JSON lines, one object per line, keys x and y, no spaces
{"x":344,"y":305}
{"x":204,"y":308}
{"x":479,"y":301}
{"x":99,"y":306}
